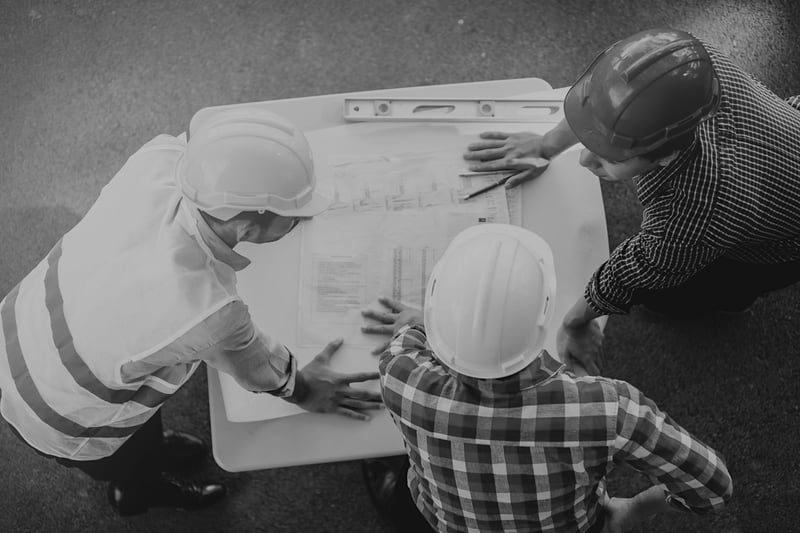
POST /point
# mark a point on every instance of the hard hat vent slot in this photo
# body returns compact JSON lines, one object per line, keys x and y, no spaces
{"x":648,"y":59}
{"x":543,"y":316}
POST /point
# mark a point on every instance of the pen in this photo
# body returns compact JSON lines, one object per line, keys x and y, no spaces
{"x":470,"y":173}
{"x":491,"y":186}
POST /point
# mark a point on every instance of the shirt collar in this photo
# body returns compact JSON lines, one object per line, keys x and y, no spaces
{"x":216,"y":246}
{"x":650,"y":184}
{"x":541,"y":369}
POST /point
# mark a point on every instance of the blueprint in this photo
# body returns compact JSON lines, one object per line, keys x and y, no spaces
{"x":392,"y":217}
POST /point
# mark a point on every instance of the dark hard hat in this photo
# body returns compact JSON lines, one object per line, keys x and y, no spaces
{"x":642,"y":92}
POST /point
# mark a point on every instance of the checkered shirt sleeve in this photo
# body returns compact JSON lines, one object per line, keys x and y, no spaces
{"x":734,"y":193}
{"x":649,"y":441}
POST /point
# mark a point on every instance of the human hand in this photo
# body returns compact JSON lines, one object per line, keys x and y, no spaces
{"x":582,"y":343}
{"x":319,"y":389}
{"x":620,"y":514}
{"x":509,"y":151}
{"x":398,"y":316}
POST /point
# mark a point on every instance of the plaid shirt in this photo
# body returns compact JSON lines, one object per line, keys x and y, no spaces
{"x":528,"y":452}
{"x":734,"y":193}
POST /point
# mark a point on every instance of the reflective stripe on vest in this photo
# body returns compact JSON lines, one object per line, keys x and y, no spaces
{"x":30,"y":394}
{"x":62,"y":338}
{"x":127,"y":282}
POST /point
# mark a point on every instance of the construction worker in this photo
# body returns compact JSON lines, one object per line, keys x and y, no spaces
{"x":500,"y":436}
{"x":121,"y":312}
{"x":715,"y":158}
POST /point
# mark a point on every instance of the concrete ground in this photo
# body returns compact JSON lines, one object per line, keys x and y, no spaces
{"x":84,"y":83}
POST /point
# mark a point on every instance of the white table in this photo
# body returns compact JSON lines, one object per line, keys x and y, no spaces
{"x":564,"y":206}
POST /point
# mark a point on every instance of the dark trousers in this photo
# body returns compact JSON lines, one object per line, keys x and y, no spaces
{"x":135,"y":464}
{"x":724,"y":285}
{"x":407,"y":515}
{"x":598,"y":525}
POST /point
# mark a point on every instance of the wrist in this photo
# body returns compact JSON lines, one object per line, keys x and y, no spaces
{"x":574,"y":322}
{"x":300,"y":389}
{"x":557,"y":140}
{"x":549,"y":149}
{"x":579,"y":315}
{"x":412,"y":323}
{"x":649,"y":502}
{"x":287,"y":388}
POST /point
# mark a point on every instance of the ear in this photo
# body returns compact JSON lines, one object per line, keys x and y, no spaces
{"x":666,"y":160}
{"x":246,"y":230}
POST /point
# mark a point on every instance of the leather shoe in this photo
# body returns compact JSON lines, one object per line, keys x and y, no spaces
{"x":164,"y":493}
{"x":386,"y":484}
{"x":181,"y":451}
{"x":381,"y":477}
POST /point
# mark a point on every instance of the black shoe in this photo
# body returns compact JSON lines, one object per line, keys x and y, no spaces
{"x":165,"y":493}
{"x":382,"y":477}
{"x":182,"y":451}
{"x":387,"y":487}
{"x":126,"y":502}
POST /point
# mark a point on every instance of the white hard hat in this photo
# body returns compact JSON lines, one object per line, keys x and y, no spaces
{"x":244,"y":158}
{"x":490,"y":300}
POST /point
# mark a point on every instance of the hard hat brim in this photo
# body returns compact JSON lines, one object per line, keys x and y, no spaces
{"x":579,"y":118}
{"x":318,"y":204}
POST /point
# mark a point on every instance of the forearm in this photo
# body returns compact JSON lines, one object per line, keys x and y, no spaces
{"x":231,"y":343}
{"x":557,"y":140}
{"x":681,"y":488}
{"x":273,"y":374}
{"x":693,"y":474}
{"x":644,"y":262}
{"x":580,"y":314}
{"x":579,"y":340}
{"x":261,"y":366}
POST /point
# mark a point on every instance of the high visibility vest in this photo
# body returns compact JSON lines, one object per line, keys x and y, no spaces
{"x":129,"y":279}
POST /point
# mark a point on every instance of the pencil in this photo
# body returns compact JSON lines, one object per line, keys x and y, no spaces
{"x":491,"y":186}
